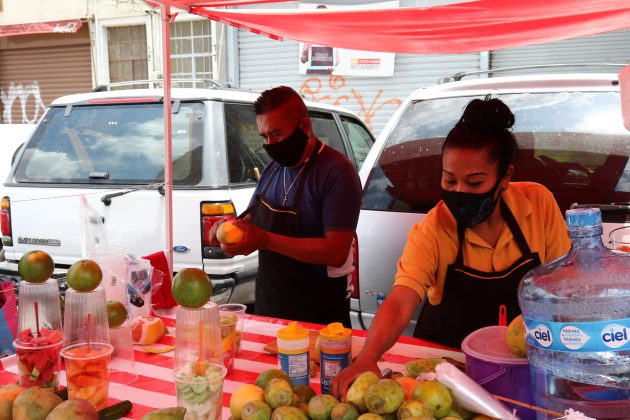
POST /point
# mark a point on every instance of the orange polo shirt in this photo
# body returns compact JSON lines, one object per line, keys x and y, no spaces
{"x":432,"y":243}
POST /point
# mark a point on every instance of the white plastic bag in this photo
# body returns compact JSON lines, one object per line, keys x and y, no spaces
{"x":92,"y":231}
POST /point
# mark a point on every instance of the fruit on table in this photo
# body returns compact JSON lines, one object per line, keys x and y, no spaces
{"x":116,"y":313}
{"x":321,"y":406}
{"x":242,"y":395}
{"x":413,"y":408}
{"x":8,"y":393}
{"x":34,"y":404}
{"x":304,"y":393}
{"x":288,"y":413}
{"x":36,"y":266}
{"x":358,"y":389}
{"x":344,"y":411}
{"x":278,"y":392}
{"x":147,"y":329}
{"x":84,"y":275}
{"x":371,"y":416}
{"x":192,"y":288}
{"x":40,"y":364}
{"x":87,"y":371}
{"x":201,"y":394}
{"x":420,"y":366}
{"x":434,"y":394}
{"x":384,"y":397}
{"x":74,"y":409}
{"x":408,"y":384}
{"x":171,"y":413}
{"x":256,"y":410}
{"x":264,"y":377}
{"x":229,"y":233}
{"x":515,"y":337}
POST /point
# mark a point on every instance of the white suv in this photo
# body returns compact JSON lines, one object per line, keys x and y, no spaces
{"x":572,"y":139}
{"x":108,"y":146}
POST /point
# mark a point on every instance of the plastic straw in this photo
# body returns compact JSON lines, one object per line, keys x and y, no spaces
{"x":36,"y":317}
{"x":89,"y":329}
{"x":200,"y":367}
{"x":531,"y":407}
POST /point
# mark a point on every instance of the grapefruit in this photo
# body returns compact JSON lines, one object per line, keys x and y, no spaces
{"x":229,"y":233}
{"x":147,"y":329}
{"x":84,"y":275}
{"x":36,"y":266}
{"x":515,"y":337}
{"x":192,"y":288}
{"x":116,"y":313}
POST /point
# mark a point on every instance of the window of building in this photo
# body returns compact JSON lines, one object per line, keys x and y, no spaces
{"x":127,"y":54}
{"x":191,"y":51}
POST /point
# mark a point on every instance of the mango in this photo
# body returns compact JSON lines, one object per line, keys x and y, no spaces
{"x":344,"y":411}
{"x":435,"y":395}
{"x":8,"y":394}
{"x":515,"y":337}
{"x":370,"y":416}
{"x":457,"y":410}
{"x":242,"y":395}
{"x":288,"y":413}
{"x":320,"y":406}
{"x":263,"y":379}
{"x":75,"y":409}
{"x":384,"y":397}
{"x":171,"y":413}
{"x":420,"y":366}
{"x":34,"y":404}
{"x":256,"y":410}
{"x":414,"y":408}
{"x":356,"y":392}
{"x":304,"y":393}
{"x":278,"y":393}
{"x":453,"y":415}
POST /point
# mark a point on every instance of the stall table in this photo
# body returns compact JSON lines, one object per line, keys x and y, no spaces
{"x":154,"y":387}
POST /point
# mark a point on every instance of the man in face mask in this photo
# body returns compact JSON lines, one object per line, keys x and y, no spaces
{"x":302,"y":217}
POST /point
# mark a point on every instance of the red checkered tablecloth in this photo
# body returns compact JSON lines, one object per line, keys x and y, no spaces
{"x":154,"y":387}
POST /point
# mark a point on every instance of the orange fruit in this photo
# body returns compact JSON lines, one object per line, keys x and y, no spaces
{"x":116,"y":313}
{"x":36,"y":266}
{"x":408,"y":383}
{"x":229,"y":233}
{"x":192,"y":288}
{"x":84,"y":275}
{"x":146,"y":329}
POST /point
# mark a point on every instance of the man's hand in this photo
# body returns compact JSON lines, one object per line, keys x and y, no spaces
{"x":254,"y":238}
{"x":213,"y":232}
{"x":340,"y":383}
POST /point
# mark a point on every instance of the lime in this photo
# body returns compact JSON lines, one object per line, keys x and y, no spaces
{"x":192,"y":288}
{"x":36,"y":266}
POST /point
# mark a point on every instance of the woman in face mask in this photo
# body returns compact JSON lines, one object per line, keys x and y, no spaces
{"x":465,"y":259}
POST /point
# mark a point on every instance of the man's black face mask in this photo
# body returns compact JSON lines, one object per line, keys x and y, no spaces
{"x":470,"y":209}
{"x":289,"y":151}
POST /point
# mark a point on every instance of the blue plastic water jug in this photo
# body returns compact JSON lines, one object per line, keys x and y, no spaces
{"x":577,"y":314}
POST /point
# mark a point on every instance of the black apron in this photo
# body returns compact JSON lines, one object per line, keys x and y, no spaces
{"x":472,"y":298}
{"x":288,"y":288}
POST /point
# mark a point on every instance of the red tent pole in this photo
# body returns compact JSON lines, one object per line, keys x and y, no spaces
{"x":165,"y":15}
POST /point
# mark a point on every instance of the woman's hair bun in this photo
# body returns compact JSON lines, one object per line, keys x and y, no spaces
{"x":488,"y":114}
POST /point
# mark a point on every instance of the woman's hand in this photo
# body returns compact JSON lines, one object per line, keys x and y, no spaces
{"x":254,"y":239}
{"x":340,"y":383}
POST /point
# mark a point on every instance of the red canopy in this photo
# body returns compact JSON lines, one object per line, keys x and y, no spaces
{"x":456,"y":28}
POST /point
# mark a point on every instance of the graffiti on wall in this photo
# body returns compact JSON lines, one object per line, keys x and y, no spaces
{"x":342,"y":94}
{"x":17,"y":92}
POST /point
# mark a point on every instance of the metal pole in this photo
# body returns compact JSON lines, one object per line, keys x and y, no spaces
{"x":165,"y":15}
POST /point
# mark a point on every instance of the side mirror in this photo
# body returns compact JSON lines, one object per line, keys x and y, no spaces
{"x":624,"y":88}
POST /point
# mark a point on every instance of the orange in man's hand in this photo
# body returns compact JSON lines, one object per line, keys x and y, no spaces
{"x":229,"y":233}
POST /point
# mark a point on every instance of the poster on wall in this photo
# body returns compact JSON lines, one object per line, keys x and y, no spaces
{"x":319,"y":59}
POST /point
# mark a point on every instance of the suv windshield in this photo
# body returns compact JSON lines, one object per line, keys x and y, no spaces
{"x":574,"y":143}
{"x":113,"y":144}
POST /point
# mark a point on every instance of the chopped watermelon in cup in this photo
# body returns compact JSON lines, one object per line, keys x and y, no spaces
{"x":38,"y":357}
{"x":87,"y":372}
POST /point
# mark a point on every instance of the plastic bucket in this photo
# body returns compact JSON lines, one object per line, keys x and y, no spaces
{"x":491,"y":364}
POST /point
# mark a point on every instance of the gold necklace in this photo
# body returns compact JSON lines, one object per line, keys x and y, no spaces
{"x":284,"y":183}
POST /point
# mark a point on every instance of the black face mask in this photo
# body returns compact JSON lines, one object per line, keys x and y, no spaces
{"x":470,"y":209}
{"x":289,"y":151}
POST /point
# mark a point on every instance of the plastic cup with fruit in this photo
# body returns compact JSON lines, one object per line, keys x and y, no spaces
{"x":38,"y":357}
{"x":200,"y":391}
{"x":87,"y":371}
{"x":229,"y":338}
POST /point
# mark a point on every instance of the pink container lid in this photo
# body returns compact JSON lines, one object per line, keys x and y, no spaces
{"x":489,"y":344}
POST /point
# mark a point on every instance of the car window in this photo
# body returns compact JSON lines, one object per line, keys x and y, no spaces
{"x":113,"y":144}
{"x":246,"y":155}
{"x":574,"y":143}
{"x":360,"y":138}
{"x":327,"y":131}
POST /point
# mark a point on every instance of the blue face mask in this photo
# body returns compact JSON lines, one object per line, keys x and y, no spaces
{"x":470,"y":209}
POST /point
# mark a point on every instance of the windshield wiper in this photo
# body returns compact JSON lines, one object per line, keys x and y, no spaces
{"x":107,"y":198}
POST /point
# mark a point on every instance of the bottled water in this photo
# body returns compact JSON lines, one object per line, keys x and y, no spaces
{"x":577,"y":314}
